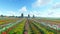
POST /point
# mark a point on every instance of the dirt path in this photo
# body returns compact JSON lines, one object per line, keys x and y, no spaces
{"x":26,"y":27}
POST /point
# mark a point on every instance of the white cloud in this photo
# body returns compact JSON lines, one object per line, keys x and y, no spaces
{"x":23,"y":9}
{"x":52,"y":13}
{"x":39,"y":3}
{"x":7,"y":13}
{"x":10,"y":13}
{"x":56,"y":5}
{"x":1,"y":12}
{"x":36,"y":13}
{"x":46,"y":13}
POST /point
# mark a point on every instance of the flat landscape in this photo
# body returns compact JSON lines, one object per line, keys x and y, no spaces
{"x":29,"y":16}
{"x":29,"y":25}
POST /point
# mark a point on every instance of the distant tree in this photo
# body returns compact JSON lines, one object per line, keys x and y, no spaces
{"x":33,"y":16}
{"x":16,"y":16}
{"x":2,"y":16}
{"x":28,"y":16}
{"x":22,"y":15}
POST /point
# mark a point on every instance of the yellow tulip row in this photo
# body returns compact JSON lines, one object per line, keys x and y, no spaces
{"x":19,"y":28}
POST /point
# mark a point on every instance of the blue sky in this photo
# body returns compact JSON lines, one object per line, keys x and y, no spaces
{"x":43,"y":8}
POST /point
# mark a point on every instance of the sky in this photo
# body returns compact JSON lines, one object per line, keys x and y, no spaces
{"x":39,"y":8}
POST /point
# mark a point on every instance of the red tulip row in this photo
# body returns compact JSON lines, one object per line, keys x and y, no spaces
{"x":8,"y":27}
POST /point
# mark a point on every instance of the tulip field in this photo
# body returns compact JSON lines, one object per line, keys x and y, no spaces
{"x":29,"y":26}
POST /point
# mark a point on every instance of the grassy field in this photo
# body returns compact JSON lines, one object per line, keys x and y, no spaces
{"x":29,"y":25}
